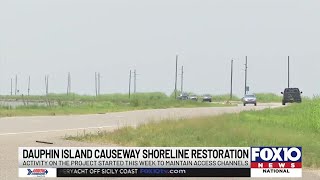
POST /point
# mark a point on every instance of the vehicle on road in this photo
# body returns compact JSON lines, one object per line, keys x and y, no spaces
{"x":207,"y":98}
{"x":183,"y":96}
{"x":291,"y":95}
{"x":249,"y":99}
{"x":193,"y":97}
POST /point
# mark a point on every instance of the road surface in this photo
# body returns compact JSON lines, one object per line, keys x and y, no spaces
{"x":25,"y":131}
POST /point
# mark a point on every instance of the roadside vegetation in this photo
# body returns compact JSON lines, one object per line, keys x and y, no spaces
{"x":268,"y":97}
{"x":224,"y":97}
{"x":261,"y":97}
{"x":294,"y":125}
{"x":62,"y":104}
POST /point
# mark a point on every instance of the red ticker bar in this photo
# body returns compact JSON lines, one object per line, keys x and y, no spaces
{"x":276,"y":165}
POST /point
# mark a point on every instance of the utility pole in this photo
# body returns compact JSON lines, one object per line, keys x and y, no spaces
{"x":176,"y":76}
{"x":245,"y":78}
{"x":231,"y":85}
{"x":288,"y":71}
{"x":29,"y":86}
{"x":69,"y":84}
{"x":99,"y":83}
{"x":96,"y":83}
{"x":47,"y":84}
{"x":16,"y":84}
{"x":68,"y":89}
{"x":11,"y":87}
{"x":129,"y":84}
{"x":135,"y":81}
{"x":182,"y":79}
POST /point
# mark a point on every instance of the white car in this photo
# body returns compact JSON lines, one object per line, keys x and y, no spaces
{"x":249,"y":99}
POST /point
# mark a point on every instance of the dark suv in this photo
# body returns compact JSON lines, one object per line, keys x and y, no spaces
{"x":291,"y":95}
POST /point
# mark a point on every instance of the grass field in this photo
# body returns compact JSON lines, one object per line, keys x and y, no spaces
{"x":61,"y":104}
{"x":104,"y":97}
{"x":224,"y":97}
{"x":296,"y":125}
{"x":268,"y":97}
{"x":262,"y":97}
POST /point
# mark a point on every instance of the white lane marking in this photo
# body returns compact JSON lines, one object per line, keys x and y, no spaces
{"x":32,"y":132}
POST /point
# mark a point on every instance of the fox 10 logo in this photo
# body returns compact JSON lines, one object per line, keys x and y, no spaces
{"x":276,"y":162}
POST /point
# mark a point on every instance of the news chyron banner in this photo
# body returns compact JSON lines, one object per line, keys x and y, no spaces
{"x":160,"y":162}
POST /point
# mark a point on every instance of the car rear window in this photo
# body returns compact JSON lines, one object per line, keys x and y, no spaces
{"x":292,"y":90}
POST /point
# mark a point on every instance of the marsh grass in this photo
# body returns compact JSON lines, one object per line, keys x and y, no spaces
{"x":62,"y":104}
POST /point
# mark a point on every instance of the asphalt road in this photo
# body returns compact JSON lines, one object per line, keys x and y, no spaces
{"x":25,"y":131}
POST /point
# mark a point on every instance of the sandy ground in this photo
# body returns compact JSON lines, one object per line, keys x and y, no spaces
{"x":25,"y":131}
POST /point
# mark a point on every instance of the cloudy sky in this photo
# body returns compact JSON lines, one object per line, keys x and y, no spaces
{"x":54,"y":37}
